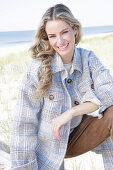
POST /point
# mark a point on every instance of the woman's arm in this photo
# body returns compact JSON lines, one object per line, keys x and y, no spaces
{"x":103,"y":82}
{"x":65,"y":117}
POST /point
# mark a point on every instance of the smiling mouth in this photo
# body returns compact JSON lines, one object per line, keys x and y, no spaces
{"x":63,"y":47}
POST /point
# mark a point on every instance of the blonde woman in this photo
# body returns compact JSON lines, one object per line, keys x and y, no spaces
{"x":65,"y":103}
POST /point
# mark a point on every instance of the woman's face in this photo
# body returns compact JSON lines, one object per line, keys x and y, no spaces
{"x":62,"y":38}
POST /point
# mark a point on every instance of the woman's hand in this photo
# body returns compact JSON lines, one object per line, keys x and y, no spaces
{"x":59,"y":121}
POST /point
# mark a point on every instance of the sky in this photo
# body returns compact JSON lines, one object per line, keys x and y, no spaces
{"x":18,"y":15}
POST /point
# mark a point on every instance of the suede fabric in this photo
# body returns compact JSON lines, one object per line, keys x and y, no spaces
{"x":90,"y":133}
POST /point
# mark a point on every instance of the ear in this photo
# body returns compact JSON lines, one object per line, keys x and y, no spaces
{"x":75,"y":30}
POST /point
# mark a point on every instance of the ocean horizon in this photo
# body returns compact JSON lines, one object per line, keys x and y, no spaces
{"x":11,"y":38}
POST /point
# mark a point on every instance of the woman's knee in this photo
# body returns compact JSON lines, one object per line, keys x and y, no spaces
{"x":108,"y":112}
{"x":105,"y":146}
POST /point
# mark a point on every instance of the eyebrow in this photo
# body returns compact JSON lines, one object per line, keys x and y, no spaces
{"x":60,"y":31}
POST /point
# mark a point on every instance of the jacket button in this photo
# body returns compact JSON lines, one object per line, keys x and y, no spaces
{"x":76,"y":102}
{"x":92,"y":86}
{"x":51,"y":97}
{"x":69,"y":80}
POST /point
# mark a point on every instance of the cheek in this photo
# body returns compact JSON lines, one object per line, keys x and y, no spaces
{"x":70,"y":38}
{"x":52,"y":43}
{"x":73,"y":37}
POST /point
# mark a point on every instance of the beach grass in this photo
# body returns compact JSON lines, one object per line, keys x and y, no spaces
{"x":12,"y":68}
{"x":21,"y":56}
{"x":102,"y":46}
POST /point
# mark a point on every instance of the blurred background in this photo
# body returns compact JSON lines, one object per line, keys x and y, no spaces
{"x":20,"y":19}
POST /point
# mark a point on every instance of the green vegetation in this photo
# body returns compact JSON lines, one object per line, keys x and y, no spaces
{"x":102,"y":47}
{"x":12,"y":57}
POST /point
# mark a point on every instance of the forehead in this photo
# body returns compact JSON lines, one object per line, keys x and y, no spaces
{"x":56,"y":26}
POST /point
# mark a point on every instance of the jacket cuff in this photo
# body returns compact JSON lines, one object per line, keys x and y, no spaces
{"x":98,"y":112}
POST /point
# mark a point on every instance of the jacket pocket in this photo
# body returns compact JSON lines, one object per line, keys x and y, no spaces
{"x":53,"y":100}
{"x":52,"y":105}
{"x":86,"y":85}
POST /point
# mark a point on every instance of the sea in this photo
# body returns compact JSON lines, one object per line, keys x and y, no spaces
{"x":12,"y":38}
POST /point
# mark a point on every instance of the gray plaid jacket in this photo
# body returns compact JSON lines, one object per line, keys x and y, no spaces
{"x":33,"y":147}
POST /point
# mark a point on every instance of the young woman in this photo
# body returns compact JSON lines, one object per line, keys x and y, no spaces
{"x":62,"y":84}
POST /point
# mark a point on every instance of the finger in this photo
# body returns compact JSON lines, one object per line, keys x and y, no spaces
{"x":55,"y":131}
{"x":57,"y":134}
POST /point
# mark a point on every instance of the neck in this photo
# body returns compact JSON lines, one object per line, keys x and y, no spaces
{"x":67,"y":60}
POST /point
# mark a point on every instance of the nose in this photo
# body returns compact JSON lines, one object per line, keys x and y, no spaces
{"x":60,"y":40}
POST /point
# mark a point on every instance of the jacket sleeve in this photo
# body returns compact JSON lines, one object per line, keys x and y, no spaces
{"x":25,"y":126}
{"x":103,"y":83}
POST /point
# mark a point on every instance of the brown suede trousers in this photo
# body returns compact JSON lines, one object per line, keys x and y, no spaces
{"x":90,"y":133}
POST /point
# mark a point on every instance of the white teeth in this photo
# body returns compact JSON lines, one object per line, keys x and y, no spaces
{"x":63,"y":46}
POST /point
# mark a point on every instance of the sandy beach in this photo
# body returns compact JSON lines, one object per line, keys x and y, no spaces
{"x":4,"y":51}
{"x":97,"y":35}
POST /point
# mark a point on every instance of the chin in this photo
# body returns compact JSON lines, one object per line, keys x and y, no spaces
{"x":63,"y":55}
{"x":66,"y":52}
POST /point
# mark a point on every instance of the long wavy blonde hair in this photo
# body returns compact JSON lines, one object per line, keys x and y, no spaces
{"x":42,"y":49}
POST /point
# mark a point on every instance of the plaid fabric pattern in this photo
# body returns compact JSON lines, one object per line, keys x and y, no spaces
{"x":32,"y":144}
{"x":106,"y":149}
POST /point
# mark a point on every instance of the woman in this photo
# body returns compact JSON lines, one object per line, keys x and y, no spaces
{"x":62,"y":84}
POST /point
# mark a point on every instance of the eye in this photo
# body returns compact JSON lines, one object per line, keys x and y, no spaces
{"x":52,"y":36}
{"x":65,"y":32}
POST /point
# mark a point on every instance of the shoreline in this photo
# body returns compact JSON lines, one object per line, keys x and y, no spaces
{"x":6,"y":50}
{"x":97,"y":35}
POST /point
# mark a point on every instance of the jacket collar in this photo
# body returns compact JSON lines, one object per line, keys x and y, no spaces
{"x":57,"y":64}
